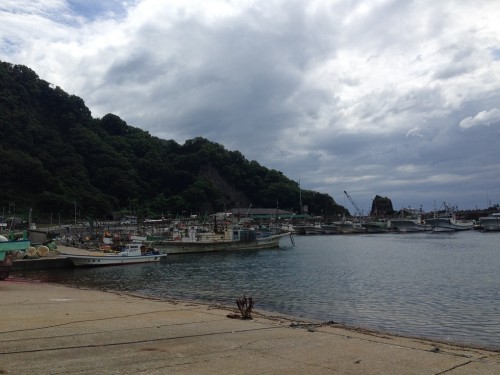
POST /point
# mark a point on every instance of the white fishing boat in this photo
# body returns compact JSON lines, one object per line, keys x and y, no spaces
{"x":130,"y":254}
{"x":349,"y":227}
{"x":309,"y":229}
{"x":448,"y":222}
{"x":375,"y":226}
{"x":409,"y":220}
{"x":229,"y":238}
{"x":409,"y":225}
{"x":330,"y":228}
{"x":491,"y":222}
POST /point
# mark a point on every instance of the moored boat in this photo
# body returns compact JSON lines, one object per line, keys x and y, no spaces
{"x":491,"y":222}
{"x":448,"y":222}
{"x":131,"y":253}
{"x":309,"y":229}
{"x":375,"y":226}
{"x":230,"y":238}
{"x":6,"y":248}
{"x":330,"y":228}
{"x":409,"y":220}
{"x":7,"y":245}
{"x":349,"y":227}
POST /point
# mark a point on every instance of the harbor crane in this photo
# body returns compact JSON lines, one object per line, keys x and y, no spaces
{"x":358,"y":212}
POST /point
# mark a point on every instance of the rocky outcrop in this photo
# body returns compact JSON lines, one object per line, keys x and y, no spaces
{"x":381,"y":207}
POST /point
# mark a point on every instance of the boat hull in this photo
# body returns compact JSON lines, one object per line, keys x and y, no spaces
{"x":449,"y":225}
{"x":111,"y":260}
{"x":330,"y":229}
{"x":408,"y":225}
{"x":375,"y":227}
{"x":309,"y":230}
{"x":350,"y":228}
{"x":7,"y":246}
{"x":181,"y":247}
{"x":490,"y":223}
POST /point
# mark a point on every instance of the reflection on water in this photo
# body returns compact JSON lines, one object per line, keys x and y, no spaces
{"x":441,"y":286}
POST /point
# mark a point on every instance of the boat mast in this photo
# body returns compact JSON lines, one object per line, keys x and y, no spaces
{"x":300,"y":198}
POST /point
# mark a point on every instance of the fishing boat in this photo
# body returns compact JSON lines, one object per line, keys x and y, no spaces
{"x":409,"y":220}
{"x":231,"y":237}
{"x":491,"y":222}
{"x":309,"y":229}
{"x":6,"y":248}
{"x":131,"y":253}
{"x":448,"y":222}
{"x":409,"y":225}
{"x":330,"y":228}
{"x":349,"y":227}
{"x":12,"y":245}
{"x":375,"y":226}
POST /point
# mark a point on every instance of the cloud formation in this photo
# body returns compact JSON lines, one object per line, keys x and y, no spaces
{"x":373,"y":97}
{"x":482,"y":118}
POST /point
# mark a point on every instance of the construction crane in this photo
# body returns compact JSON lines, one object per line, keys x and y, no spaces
{"x":358,"y":211}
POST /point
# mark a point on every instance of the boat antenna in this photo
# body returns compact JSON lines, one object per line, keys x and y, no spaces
{"x":248,"y":211}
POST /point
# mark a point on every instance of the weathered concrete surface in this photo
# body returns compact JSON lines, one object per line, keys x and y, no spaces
{"x":50,"y":329}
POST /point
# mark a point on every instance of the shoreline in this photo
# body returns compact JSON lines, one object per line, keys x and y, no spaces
{"x":260,"y":312}
{"x":56,"y":327}
{"x":294,"y":321}
{"x":311,"y":320}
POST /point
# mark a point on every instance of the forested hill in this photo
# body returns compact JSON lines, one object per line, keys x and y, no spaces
{"x":53,"y":154}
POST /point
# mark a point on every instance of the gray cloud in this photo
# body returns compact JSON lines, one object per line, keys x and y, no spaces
{"x":387,"y":98}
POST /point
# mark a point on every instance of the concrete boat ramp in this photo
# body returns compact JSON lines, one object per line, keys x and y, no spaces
{"x":52,"y":329}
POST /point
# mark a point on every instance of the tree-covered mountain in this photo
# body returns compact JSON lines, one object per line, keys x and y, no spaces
{"x":53,"y":153}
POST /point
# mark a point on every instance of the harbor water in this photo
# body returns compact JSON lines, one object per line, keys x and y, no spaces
{"x":442,"y":286}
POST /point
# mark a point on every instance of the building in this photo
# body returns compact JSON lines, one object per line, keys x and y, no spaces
{"x":262,"y":213}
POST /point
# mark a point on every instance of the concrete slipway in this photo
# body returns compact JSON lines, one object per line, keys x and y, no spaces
{"x":51,"y":329}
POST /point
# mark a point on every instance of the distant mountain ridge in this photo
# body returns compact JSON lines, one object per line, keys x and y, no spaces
{"x":55,"y":156}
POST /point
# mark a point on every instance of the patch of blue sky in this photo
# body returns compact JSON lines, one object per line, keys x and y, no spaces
{"x":495,"y":52}
{"x":95,"y":9}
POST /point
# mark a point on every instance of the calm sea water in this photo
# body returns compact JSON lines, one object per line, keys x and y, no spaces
{"x":440,"y":286}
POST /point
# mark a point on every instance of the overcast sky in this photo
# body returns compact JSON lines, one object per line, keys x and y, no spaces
{"x":392,"y":98}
